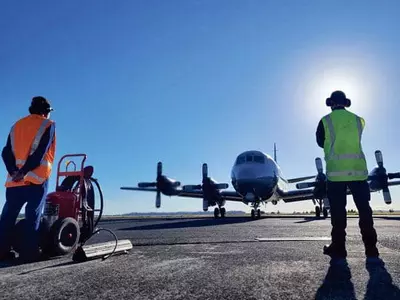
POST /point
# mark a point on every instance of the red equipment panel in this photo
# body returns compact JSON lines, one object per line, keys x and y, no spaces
{"x":67,"y":204}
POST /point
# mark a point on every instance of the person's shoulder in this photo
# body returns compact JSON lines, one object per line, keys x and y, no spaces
{"x":325,"y":116}
{"x":356,"y":115}
{"x":21,"y":120}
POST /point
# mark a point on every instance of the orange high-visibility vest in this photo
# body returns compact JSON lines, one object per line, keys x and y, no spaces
{"x":25,"y":136}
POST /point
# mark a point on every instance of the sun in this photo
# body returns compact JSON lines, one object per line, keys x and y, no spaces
{"x":349,"y":80}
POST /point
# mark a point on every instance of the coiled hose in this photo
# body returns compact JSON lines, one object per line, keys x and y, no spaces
{"x":91,"y":202}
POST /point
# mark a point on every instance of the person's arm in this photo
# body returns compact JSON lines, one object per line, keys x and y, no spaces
{"x":9,"y":158}
{"x":320,"y":134}
{"x":35,"y":159}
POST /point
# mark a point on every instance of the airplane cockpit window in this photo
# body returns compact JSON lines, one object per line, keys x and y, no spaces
{"x":249,"y":158}
{"x":259,"y":159}
{"x":240,"y":160}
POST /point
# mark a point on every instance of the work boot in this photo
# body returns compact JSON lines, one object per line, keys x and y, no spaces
{"x":335,"y":252}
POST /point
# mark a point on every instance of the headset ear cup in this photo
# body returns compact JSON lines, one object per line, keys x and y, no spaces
{"x":328,"y":102}
{"x":348,"y":103}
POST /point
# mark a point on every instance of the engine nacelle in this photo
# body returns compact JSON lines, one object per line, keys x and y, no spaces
{"x":221,"y":186}
{"x":172,"y":182}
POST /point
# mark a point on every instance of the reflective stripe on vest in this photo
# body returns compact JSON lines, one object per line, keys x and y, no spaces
{"x":347,"y":173}
{"x":37,"y":138}
{"x":332,"y":155}
{"x":30,"y":173}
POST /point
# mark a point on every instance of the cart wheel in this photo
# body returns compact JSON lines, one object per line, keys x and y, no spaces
{"x":65,"y":235}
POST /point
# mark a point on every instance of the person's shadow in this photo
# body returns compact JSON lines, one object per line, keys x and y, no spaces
{"x":380,"y":284}
{"x":337,"y":283}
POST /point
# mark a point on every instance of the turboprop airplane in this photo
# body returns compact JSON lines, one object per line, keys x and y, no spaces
{"x":257,"y":178}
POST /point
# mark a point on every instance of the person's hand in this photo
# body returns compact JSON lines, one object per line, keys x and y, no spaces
{"x":17,"y":176}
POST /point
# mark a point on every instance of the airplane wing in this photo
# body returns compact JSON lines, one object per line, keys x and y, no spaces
{"x":298,"y":179}
{"x":308,"y":194}
{"x":226,"y":195}
{"x":297,"y":195}
{"x":393,"y":183}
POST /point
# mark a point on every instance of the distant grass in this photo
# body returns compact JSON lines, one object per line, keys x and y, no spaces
{"x":194,"y":215}
{"x":179,"y":216}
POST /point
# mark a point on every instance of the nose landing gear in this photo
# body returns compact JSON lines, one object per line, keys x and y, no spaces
{"x":253,"y":213}
{"x":218,"y":211}
{"x":256,"y":212}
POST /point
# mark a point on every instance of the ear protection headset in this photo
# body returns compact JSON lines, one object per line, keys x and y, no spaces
{"x":338,"y":98}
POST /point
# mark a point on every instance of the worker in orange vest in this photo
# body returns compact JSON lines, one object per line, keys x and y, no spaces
{"x":28,"y":157}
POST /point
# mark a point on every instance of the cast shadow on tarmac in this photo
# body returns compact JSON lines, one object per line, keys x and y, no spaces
{"x":16,"y":262}
{"x":311,"y":219}
{"x":337,"y":284}
{"x":190,"y":223}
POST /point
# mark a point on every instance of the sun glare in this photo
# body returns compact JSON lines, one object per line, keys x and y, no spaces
{"x":352,"y":82}
{"x":323,"y":70}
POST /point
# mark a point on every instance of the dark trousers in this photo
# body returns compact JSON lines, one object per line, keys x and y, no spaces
{"x":35,"y":198}
{"x":337,"y":199}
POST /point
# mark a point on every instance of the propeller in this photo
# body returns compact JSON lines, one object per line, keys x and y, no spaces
{"x":385,"y":189}
{"x":318,"y":165}
{"x":380,"y":176}
{"x":208,"y":185}
{"x":163,"y":184}
{"x":320,"y":176}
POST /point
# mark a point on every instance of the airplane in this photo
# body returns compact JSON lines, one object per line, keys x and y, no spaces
{"x":257,"y":179}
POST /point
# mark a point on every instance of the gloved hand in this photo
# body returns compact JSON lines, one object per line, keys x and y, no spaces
{"x":17,"y":176}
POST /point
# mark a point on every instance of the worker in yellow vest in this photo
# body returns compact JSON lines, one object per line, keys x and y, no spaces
{"x":339,"y":134}
{"x":28,"y":157}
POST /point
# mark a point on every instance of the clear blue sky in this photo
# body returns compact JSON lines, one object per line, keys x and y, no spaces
{"x":187,"y":82}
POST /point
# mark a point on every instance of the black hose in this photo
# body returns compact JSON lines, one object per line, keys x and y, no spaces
{"x":101,"y":201}
{"x":98,"y":220}
{"x":116,"y":241}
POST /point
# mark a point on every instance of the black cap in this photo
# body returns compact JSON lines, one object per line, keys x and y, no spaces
{"x":40,"y":105}
{"x":338,"y":96}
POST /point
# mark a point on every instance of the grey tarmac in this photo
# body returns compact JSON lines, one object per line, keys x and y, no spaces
{"x":204,"y":258}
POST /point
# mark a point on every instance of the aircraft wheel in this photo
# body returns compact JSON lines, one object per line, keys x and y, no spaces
{"x":216,"y":212}
{"x":223,"y":212}
{"x":253,"y":214}
{"x":325,"y":212}
{"x":258,"y":213}
{"x":317,"y":211}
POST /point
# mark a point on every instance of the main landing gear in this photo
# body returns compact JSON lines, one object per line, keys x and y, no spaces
{"x":320,"y":207}
{"x":218,"y":211}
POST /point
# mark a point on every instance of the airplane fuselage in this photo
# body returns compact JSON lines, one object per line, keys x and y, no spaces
{"x":257,"y":177}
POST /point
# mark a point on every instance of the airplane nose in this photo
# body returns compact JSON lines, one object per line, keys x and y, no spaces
{"x":245,"y":173}
{"x":262,"y":187}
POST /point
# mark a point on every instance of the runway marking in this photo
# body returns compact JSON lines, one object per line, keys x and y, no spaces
{"x":279,"y":239}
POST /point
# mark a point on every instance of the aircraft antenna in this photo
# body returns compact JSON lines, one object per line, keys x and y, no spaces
{"x":275,"y":153}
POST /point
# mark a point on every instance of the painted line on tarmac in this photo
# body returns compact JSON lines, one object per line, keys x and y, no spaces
{"x":303,"y":238}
